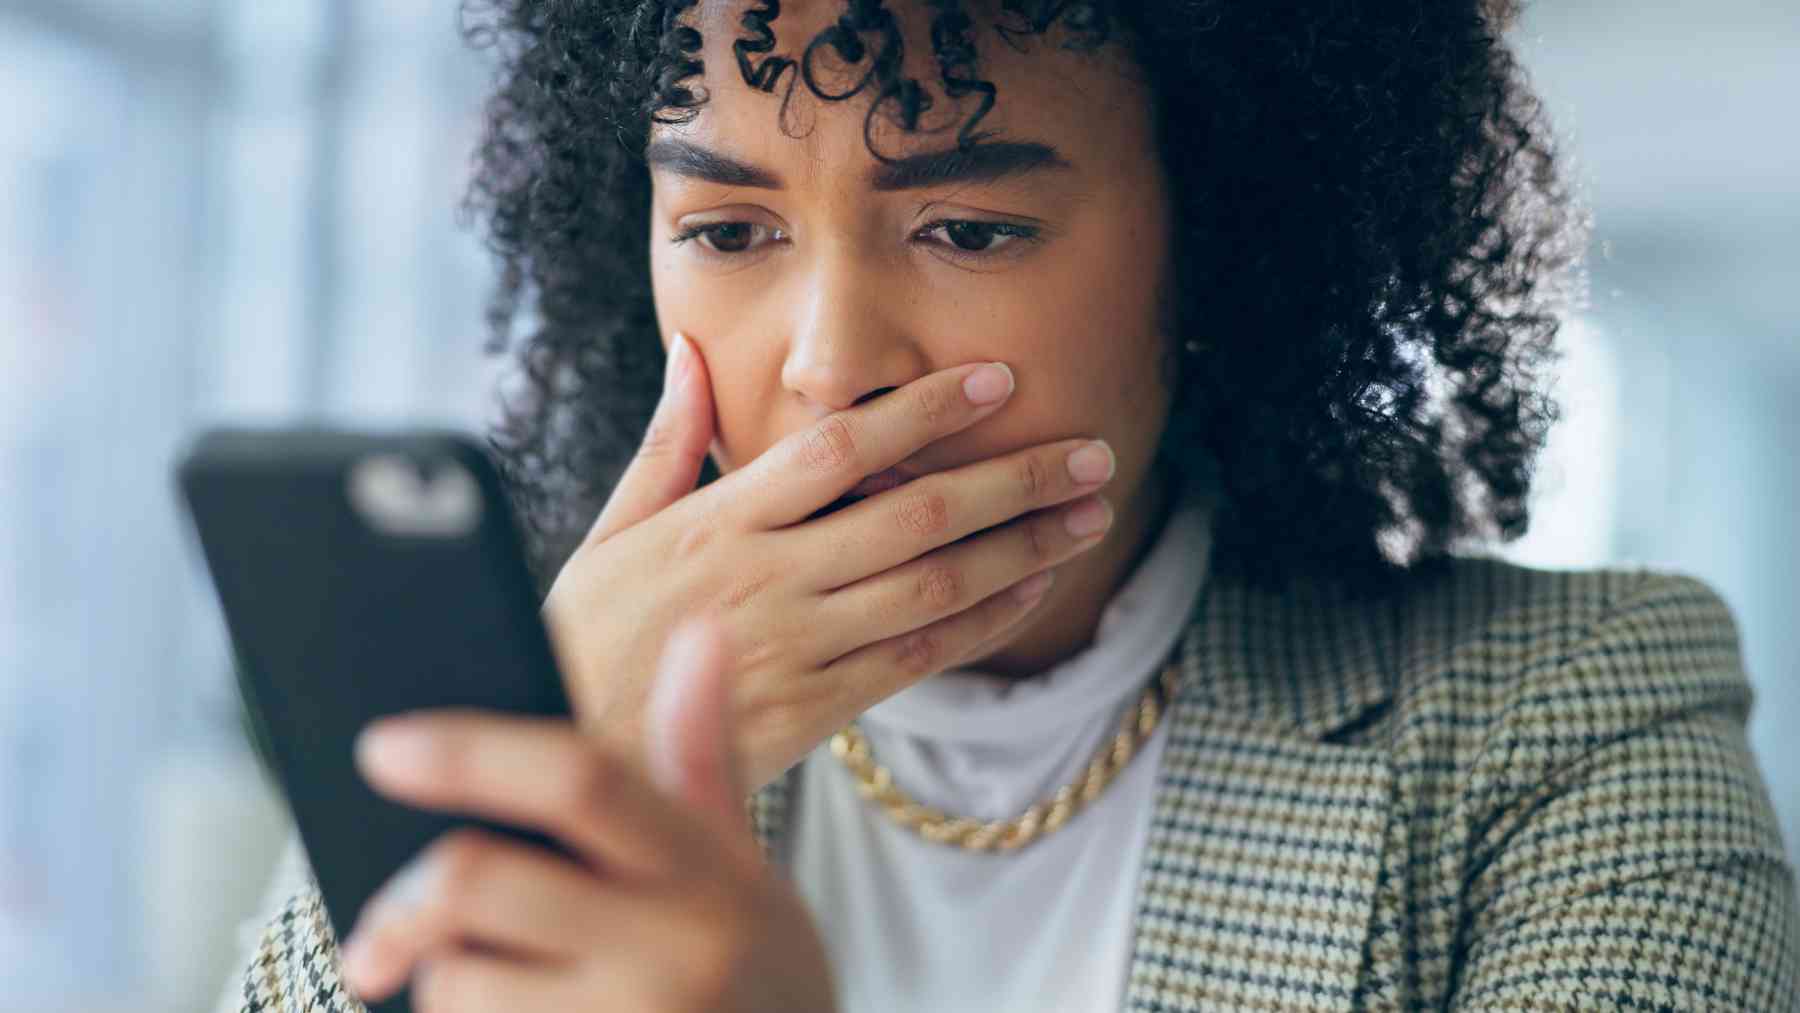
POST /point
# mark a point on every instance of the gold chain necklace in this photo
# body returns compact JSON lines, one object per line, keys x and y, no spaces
{"x":875,"y":783}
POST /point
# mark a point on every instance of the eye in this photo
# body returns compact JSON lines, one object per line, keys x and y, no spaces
{"x":727,"y":238}
{"x":967,"y":237}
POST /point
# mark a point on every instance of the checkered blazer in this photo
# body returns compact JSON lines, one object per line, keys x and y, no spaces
{"x":1506,"y":789}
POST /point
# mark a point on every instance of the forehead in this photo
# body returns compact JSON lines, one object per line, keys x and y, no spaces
{"x":1081,"y":103}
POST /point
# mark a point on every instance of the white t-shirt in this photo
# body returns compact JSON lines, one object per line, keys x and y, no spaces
{"x":915,"y":925}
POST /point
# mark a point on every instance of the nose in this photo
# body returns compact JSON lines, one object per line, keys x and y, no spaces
{"x":849,"y":341}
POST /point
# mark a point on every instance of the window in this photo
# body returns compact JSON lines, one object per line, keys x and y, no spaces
{"x":208,"y":212}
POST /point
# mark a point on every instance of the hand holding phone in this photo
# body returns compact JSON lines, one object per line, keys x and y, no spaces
{"x":669,"y":903}
{"x":366,"y":575}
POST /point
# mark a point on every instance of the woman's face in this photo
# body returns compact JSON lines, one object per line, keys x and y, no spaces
{"x":809,"y":282}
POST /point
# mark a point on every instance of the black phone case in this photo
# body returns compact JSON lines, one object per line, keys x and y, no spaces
{"x":336,"y":621}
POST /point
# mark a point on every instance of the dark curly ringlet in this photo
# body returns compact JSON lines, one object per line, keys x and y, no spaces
{"x":1370,"y":244}
{"x":756,"y":21}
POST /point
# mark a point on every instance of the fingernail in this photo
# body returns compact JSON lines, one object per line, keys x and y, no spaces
{"x":1092,"y":462}
{"x":1088,"y":518}
{"x":989,"y":384}
{"x":1033,"y":587}
{"x":406,"y":892}
{"x":371,"y":972}
{"x":362,"y":965}
{"x":677,"y":374}
{"x":393,"y":749}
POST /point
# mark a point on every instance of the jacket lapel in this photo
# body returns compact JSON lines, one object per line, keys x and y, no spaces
{"x":768,"y":808}
{"x":1258,"y":881}
{"x":1265,"y":851}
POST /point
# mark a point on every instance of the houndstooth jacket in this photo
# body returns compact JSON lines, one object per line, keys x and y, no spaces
{"x":1506,"y":789}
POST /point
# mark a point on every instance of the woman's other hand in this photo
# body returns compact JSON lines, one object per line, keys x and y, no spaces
{"x":668,"y":906}
{"x":832,"y":613}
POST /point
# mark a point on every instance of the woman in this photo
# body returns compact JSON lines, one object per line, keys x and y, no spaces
{"x":1262,"y":742}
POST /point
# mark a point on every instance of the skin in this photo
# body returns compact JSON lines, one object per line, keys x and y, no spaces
{"x":670,"y":905}
{"x":829,"y":291}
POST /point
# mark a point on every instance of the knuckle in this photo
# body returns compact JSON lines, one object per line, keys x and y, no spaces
{"x":920,"y":651}
{"x":828,"y":446}
{"x":940,"y":587}
{"x":922,"y":513}
{"x":692,"y":540}
{"x":1033,"y":477}
{"x":761,"y":651}
{"x":660,"y":439}
{"x":594,"y":785}
{"x":464,"y":860}
{"x":745,"y":588}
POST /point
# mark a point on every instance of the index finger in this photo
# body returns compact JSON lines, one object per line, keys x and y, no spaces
{"x":540,"y":773}
{"x":808,"y":470}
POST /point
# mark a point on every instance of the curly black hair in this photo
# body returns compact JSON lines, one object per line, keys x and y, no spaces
{"x":1372,"y":244}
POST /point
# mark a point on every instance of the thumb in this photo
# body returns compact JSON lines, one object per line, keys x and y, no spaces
{"x":692,"y":751}
{"x":668,"y":461}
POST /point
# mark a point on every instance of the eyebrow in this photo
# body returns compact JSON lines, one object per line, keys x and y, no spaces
{"x":987,"y":162}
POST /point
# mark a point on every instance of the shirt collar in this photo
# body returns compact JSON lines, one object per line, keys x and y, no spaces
{"x":1138,"y":630}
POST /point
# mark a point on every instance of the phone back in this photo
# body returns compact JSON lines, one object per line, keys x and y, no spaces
{"x":363,"y":575}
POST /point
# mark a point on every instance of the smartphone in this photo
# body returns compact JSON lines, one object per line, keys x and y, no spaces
{"x":363,"y":574}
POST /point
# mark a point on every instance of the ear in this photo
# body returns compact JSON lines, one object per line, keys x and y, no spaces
{"x":693,"y":751}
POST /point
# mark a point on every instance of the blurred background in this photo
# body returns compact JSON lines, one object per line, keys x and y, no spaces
{"x":215,"y":211}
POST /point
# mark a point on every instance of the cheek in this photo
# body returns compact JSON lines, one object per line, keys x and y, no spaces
{"x":1110,"y":291}
{"x":706,"y":310}
{"x":1088,"y":320}
{"x":695,"y":296}
{"x":740,"y":425}
{"x":1093,"y":333}
{"x":684,"y":301}
{"x":1081,"y":324}
{"x":1090,"y":384}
